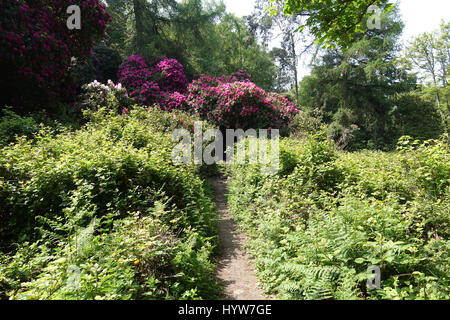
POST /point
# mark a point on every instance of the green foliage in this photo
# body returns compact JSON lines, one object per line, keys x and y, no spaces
{"x":13,"y":125}
{"x":103,"y":213}
{"x":428,"y":56}
{"x":306,"y":124}
{"x":101,"y":65}
{"x":411,"y":113}
{"x":317,"y":225}
{"x":365,"y":96}
{"x":238,"y":50}
{"x":333,"y":22}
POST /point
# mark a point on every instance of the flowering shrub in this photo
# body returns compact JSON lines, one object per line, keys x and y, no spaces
{"x":172,"y":76}
{"x":239,"y":104}
{"x":244,"y":105}
{"x":228,"y":101}
{"x":202,"y":95}
{"x":149,"y":93}
{"x":176,"y":101}
{"x":155,"y":84}
{"x":240,"y":75}
{"x":134,"y":72}
{"x":36,"y":47}
{"x":287,"y":108}
{"x":111,"y":96}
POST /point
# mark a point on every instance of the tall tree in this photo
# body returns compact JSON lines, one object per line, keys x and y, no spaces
{"x":355,"y":87}
{"x":238,"y":49}
{"x":284,"y":78}
{"x":197,"y":33}
{"x":138,"y":10}
{"x":147,"y":21}
{"x":429,"y":54}
{"x":279,"y":27}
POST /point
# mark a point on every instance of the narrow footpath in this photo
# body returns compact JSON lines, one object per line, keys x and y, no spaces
{"x":233,"y":268}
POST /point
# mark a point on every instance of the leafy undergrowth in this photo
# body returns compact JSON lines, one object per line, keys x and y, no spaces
{"x":327,"y":216}
{"x":103,"y":213}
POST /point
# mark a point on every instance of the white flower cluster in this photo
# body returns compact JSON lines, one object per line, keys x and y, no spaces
{"x":97,"y":85}
{"x":117,"y":86}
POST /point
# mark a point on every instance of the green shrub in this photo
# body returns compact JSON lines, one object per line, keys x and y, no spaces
{"x":328,"y":215}
{"x":110,"y":96}
{"x":102,"y":65}
{"x":141,"y":258}
{"x":415,"y":117}
{"x":106,"y":205}
{"x":13,"y":125}
{"x":305,"y":124}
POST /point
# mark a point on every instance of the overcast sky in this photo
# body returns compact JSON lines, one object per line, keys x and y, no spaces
{"x":418,"y":15}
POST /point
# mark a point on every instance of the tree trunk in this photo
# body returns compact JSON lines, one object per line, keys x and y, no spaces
{"x":138,"y":7}
{"x":438,"y":101}
{"x":294,"y":59}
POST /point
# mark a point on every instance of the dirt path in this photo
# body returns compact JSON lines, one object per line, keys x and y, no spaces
{"x":233,"y":268}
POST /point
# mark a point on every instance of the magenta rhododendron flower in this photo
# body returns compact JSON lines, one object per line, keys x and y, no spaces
{"x":36,"y":47}
{"x":163,"y":83}
{"x":239,"y":104}
{"x":173,"y":78}
{"x":228,"y":101}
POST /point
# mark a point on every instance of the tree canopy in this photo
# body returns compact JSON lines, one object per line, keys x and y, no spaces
{"x":333,"y":22}
{"x":359,"y":90}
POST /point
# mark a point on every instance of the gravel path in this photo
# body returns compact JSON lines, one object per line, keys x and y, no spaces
{"x":233,"y":268}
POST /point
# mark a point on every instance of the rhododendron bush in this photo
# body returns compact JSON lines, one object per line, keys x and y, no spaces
{"x":36,"y":47}
{"x":113,"y":97}
{"x":228,"y":101}
{"x":202,"y":95}
{"x":241,"y":75}
{"x":244,"y":105}
{"x":172,"y":74}
{"x":239,"y":104}
{"x":176,"y":101}
{"x":162,"y":83}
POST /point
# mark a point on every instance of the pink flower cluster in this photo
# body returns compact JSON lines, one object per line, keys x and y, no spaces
{"x":155,"y":84}
{"x":239,"y":104}
{"x":203,"y":94}
{"x":287,"y":108}
{"x":36,"y":43}
{"x":239,"y":76}
{"x":134,"y":72}
{"x":176,"y":101}
{"x":173,"y":78}
{"x":228,"y":101}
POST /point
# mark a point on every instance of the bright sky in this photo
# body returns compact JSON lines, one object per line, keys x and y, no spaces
{"x":418,"y":15}
{"x":423,"y":16}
